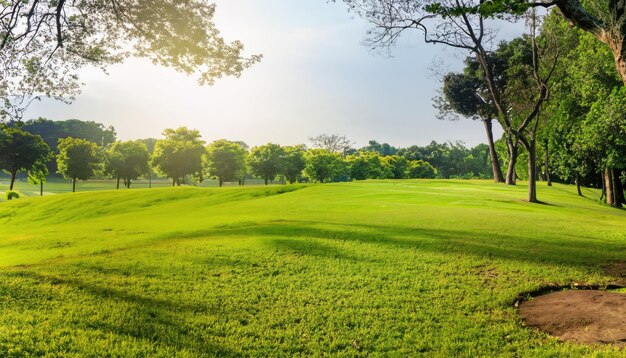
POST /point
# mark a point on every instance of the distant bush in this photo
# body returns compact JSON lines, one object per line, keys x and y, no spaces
{"x":10,"y":194}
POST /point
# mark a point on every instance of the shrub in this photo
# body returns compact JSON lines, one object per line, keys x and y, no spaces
{"x":10,"y":194}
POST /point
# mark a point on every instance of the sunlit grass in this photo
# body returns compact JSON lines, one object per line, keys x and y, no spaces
{"x":372,"y":268}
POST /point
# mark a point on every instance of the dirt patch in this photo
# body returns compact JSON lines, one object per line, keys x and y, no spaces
{"x":581,"y":316}
{"x":618,"y":271}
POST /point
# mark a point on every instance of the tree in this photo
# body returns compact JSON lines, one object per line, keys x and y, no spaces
{"x":127,"y":161}
{"x":367,"y":165}
{"x":383,"y":149}
{"x":78,"y":159}
{"x":179,"y":154}
{"x":225,"y":160}
{"x":293,"y":162}
{"x":333,"y":143}
{"x":323,"y":165}
{"x":20,"y":151}
{"x":266,"y":161}
{"x":419,"y":169}
{"x":44,"y":44}
{"x":37,"y":175}
{"x":397,"y":166}
{"x":467,"y":95}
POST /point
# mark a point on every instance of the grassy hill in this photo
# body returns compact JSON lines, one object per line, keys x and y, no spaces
{"x":373,"y":268}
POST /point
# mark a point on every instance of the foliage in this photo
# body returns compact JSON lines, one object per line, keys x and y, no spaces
{"x":78,"y":158}
{"x":293,"y":162}
{"x":324,"y":166}
{"x":179,"y":154}
{"x":419,"y":169}
{"x":11,"y":194}
{"x":127,"y":160}
{"x":44,"y":44}
{"x":21,"y":151}
{"x":266,"y":161}
{"x":225,"y":160}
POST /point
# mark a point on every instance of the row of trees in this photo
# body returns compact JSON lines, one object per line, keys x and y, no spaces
{"x":553,"y":90}
{"x":565,"y":104}
{"x":182,"y":155}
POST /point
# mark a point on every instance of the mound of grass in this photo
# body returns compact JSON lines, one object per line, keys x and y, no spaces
{"x":373,"y":268}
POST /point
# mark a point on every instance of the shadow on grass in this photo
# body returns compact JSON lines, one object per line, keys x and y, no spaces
{"x":572,"y":250}
{"x":152,"y":319}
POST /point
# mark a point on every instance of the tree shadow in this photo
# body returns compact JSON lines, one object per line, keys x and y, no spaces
{"x":151,"y":319}
{"x":571,"y":250}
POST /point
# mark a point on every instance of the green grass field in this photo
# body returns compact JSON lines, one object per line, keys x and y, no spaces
{"x":61,"y":186}
{"x":380,"y":268}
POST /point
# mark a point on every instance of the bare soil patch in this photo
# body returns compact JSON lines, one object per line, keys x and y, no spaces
{"x":618,"y":271}
{"x":581,"y":316}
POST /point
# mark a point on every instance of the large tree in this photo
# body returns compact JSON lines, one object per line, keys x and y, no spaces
{"x":266,"y":161}
{"x":20,"y":151}
{"x":293,"y":162}
{"x":466,"y":95}
{"x":179,"y":154}
{"x":43,"y":44}
{"x":225,"y":160}
{"x":78,"y":159}
{"x":127,"y":161}
{"x":324,"y":166}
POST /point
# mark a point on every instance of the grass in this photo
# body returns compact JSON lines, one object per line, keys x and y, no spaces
{"x":378,"y":268}
{"x":60,"y":186}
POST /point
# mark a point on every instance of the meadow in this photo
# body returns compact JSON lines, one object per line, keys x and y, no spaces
{"x":373,"y":268}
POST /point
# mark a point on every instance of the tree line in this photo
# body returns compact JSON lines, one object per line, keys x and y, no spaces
{"x":80,"y":150}
{"x":558,"y":91}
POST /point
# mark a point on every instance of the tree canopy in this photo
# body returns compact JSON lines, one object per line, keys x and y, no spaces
{"x":78,"y":159}
{"x":179,"y":154}
{"x":21,"y":151}
{"x":43,"y":44}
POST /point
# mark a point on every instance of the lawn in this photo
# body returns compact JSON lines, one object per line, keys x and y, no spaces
{"x":376,"y":268}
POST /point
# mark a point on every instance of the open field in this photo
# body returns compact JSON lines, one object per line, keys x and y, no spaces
{"x":394,"y":268}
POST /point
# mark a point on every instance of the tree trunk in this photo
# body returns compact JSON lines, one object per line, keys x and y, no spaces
{"x":266,"y":179}
{"x":41,"y":188}
{"x":547,"y":165}
{"x":73,"y":185}
{"x":493,"y":155}
{"x":532,"y":173}
{"x":609,"y":184}
{"x":173,"y":181}
{"x":150,"y":179}
{"x":220,"y":181}
{"x":510,"y":173}
{"x":118,"y":183}
{"x":577,"y":180}
{"x":602,"y":181}
{"x":128,"y":184}
{"x":13,"y":175}
{"x":618,"y":188}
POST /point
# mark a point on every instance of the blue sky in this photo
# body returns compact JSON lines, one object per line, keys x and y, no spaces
{"x":316,"y":77}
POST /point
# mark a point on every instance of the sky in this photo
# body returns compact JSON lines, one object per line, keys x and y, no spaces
{"x":315,"y":77}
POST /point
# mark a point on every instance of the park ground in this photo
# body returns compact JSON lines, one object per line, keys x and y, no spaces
{"x":375,"y":268}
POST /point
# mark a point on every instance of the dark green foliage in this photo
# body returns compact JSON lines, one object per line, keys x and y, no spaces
{"x":225,"y":160}
{"x":325,"y":166}
{"x":294,"y":162}
{"x":10,"y":195}
{"x":21,"y":151}
{"x":179,"y":154}
{"x":127,"y":161}
{"x":78,"y":159}
{"x":266,"y":161}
